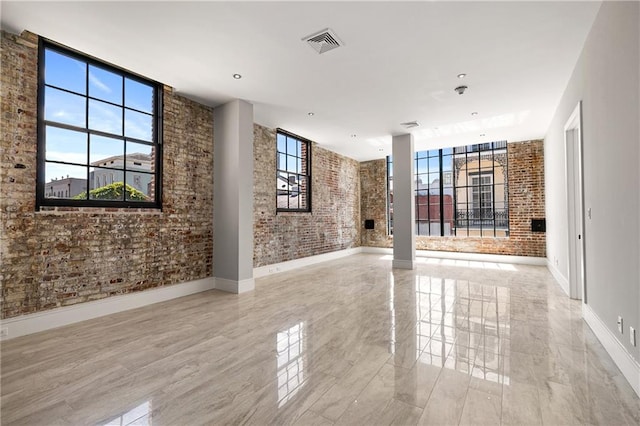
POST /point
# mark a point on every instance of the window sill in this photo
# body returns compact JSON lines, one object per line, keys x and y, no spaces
{"x":56,"y":210}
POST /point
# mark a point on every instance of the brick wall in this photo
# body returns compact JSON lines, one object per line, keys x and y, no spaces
{"x":334,"y":222}
{"x":373,"y":202}
{"x":63,"y":256}
{"x":526,"y":202}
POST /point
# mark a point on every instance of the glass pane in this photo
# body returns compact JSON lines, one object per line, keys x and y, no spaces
{"x":139,"y":186}
{"x":292,"y":148}
{"x":294,"y":198}
{"x":282,"y":143}
{"x":299,"y":149}
{"x":447,"y":179}
{"x":106,"y":184}
{"x":138,"y":95}
{"x":63,"y":107}
{"x":422,"y":182}
{"x":291,"y":164}
{"x":105,"y":85}
{"x":422,"y":166}
{"x":448,"y":217}
{"x":139,"y":157}
{"x":282,"y":198}
{"x":486,"y":166}
{"x":447,"y":163}
{"x":105,"y":117}
{"x":422,"y":228}
{"x":65,"y":72}
{"x":66,"y":145}
{"x":106,"y":152}
{"x":65,"y":181}
{"x":473,"y":162}
{"x":282,"y":161}
{"x":434,"y":180}
{"x":434,"y":164}
{"x":138,"y":125}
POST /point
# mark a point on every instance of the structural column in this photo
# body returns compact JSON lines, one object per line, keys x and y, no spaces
{"x":404,"y":242}
{"x":233,"y":196}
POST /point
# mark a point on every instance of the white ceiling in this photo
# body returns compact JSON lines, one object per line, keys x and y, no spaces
{"x":399,"y":63}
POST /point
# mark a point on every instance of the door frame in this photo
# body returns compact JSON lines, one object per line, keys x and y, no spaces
{"x":575,"y":204}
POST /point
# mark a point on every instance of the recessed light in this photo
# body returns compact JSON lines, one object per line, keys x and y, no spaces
{"x":474,"y":113}
{"x":462,"y":75}
{"x":237,"y":76}
{"x":310,"y":114}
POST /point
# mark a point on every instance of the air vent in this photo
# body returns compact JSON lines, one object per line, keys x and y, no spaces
{"x":410,"y":124}
{"x":323,"y":41}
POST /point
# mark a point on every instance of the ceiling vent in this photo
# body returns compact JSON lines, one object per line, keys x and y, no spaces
{"x":323,"y":41}
{"x":410,"y":124}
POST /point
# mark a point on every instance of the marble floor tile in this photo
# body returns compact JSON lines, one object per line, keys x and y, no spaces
{"x":350,"y":342}
{"x":481,"y":408}
{"x":520,"y":404}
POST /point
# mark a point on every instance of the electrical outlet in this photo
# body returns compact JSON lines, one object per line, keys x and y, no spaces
{"x":4,"y":332}
{"x":632,"y":336}
{"x":620,"y":327}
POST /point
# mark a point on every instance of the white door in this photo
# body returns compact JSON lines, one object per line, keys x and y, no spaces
{"x":575,"y":206}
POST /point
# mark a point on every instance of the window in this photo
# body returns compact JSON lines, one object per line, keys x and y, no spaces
{"x":293,"y":173}
{"x":459,"y":191}
{"x":93,"y":119}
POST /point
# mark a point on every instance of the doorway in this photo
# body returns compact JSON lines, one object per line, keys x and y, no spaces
{"x":575,"y":204}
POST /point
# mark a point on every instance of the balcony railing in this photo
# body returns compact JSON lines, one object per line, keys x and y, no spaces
{"x":482,"y":218}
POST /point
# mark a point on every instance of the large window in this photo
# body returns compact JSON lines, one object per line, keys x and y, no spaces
{"x":460,"y":191}
{"x":293,"y":176}
{"x":99,"y":141}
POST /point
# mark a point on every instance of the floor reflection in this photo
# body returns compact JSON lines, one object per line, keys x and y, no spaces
{"x":290,"y":345}
{"x":138,"y":416}
{"x":463,"y":326}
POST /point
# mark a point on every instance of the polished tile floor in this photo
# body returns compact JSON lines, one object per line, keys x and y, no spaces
{"x":348,"y":342}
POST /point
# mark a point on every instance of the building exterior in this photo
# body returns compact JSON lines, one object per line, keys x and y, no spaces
{"x":66,"y":187}
{"x":111,"y":169}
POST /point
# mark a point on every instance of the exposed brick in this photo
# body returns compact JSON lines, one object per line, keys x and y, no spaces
{"x":63,"y":256}
{"x":526,"y":202}
{"x":334,"y":222}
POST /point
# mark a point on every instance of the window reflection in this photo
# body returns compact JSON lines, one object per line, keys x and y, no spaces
{"x":290,"y":346}
{"x":463,"y":326}
{"x":138,"y":416}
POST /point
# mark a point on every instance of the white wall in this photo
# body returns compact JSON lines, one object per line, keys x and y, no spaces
{"x":233,"y":196}
{"x":606,"y":79}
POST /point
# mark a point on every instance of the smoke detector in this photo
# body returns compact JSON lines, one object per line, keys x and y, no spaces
{"x":410,"y":124}
{"x":323,"y":41}
{"x":460,"y":89}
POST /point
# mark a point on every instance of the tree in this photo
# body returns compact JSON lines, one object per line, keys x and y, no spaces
{"x":113,"y":192}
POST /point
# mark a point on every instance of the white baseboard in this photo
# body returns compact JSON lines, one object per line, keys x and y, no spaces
{"x":561,"y":279}
{"x":275,"y":268}
{"x":403,"y":264}
{"x":476,"y":257}
{"x":46,"y":320}
{"x":629,"y":367}
{"x":235,"y":286}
